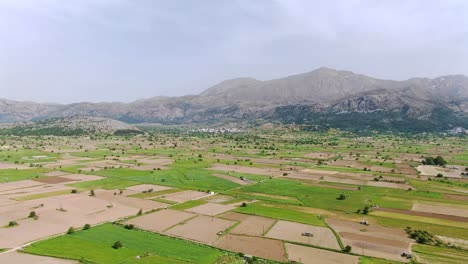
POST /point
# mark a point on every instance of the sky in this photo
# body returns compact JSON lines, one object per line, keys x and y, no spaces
{"x":124,"y":50}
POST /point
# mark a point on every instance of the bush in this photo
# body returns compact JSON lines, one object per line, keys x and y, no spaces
{"x":244,"y":204}
{"x":71,"y":230}
{"x":74,"y":191}
{"x":342,"y":197}
{"x":140,"y":212}
{"x":347,"y":249}
{"x":117,"y":245}
{"x":129,"y":226}
{"x":86,"y":227}
{"x":12,"y":224}
{"x":32,"y":214}
{"x":91,"y":193}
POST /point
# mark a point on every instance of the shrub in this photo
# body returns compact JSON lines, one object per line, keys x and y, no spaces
{"x":129,"y":226}
{"x":347,"y":249}
{"x":91,"y":193}
{"x":32,"y":214}
{"x":86,"y":227}
{"x":342,"y":197}
{"x":244,"y":204}
{"x":71,"y":230}
{"x":117,"y":245}
{"x":12,"y":224}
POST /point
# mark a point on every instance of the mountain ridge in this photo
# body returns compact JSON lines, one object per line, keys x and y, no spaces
{"x":325,"y":92}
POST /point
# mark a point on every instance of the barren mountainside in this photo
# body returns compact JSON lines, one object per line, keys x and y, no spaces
{"x":326,"y":93}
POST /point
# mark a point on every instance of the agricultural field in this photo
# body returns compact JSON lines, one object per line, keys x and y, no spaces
{"x":269,"y":195}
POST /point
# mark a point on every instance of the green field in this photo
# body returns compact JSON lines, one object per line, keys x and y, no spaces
{"x":438,"y":255}
{"x":11,"y":175}
{"x":95,"y":245}
{"x":281,"y":213}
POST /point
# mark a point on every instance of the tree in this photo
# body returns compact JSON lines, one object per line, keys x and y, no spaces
{"x":244,"y":204}
{"x":439,"y":160}
{"x":12,"y":224}
{"x":86,"y":227}
{"x":342,"y":196}
{"x":117,"y":245}
{"x":91,"y":193}
{"x":366,"y":209}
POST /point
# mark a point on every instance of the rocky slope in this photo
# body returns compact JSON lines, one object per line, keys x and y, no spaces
{"x":325,"y":93}
{"x":73,"y":125}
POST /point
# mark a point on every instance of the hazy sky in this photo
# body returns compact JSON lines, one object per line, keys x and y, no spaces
{"x":122,"y":50}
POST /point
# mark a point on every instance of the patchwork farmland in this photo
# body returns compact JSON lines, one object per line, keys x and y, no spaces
{"x":264,"y":196}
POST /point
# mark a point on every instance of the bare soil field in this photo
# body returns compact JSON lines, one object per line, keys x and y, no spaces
{"x":33,"y":190}
{"x":160,"y":220}
{"x":12,"y":166}
{"x":343,"y":180}
{"x":84,"y":177}
{"x":56,"y":215}
{"x":320,"y":155}
{"x":430,"y":170}
{"x":11,"y":186}
{"x":316,"y":171}
{"x":402,"y":186}
{"x":249,"y":170}
{"x":253,"y":225}
{"x":372,"y":240}
{"x":309,"y":255}
{"x":201,"y":228}
{"x":231,"y":178}
{"x":368,"y":248}
{"x":180,"y":197}
{"x":219,"y":198}
{"x":145,"y":187}
{"x":255,"y":246}
{"x":426,"y":214}
{"x":375,"y":240}
{"x":443,"y":210}
{"x":457,"y":197}
{"x":373,"y":229}
{"x":145,"y":205}
{"x":211,"y":209}
{"x":357,"y":165}
{"x":235,"y":216}
{"x":56,"y":173}
{"x":292,"y":231}
{"x":19,"y":258}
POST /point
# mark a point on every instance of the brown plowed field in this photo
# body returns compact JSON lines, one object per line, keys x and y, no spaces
{"x":256,"y":246}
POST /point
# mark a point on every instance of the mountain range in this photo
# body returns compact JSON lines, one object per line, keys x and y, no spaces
{"x":321,"y":98}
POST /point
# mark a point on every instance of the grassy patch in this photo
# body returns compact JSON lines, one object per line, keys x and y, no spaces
{"x":95,"y":245}
{"x":12,"y":175}
{"x":370,"y":260}
{"x":432,"y":254}
{"x":281,"y":213}
{"x":422,"y":219}
{"x":154,"y":194}
{"x":108,"y":184}
{"x":42,"y":195}
{"x":442,"y":230}
{"x":189,"y":204}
